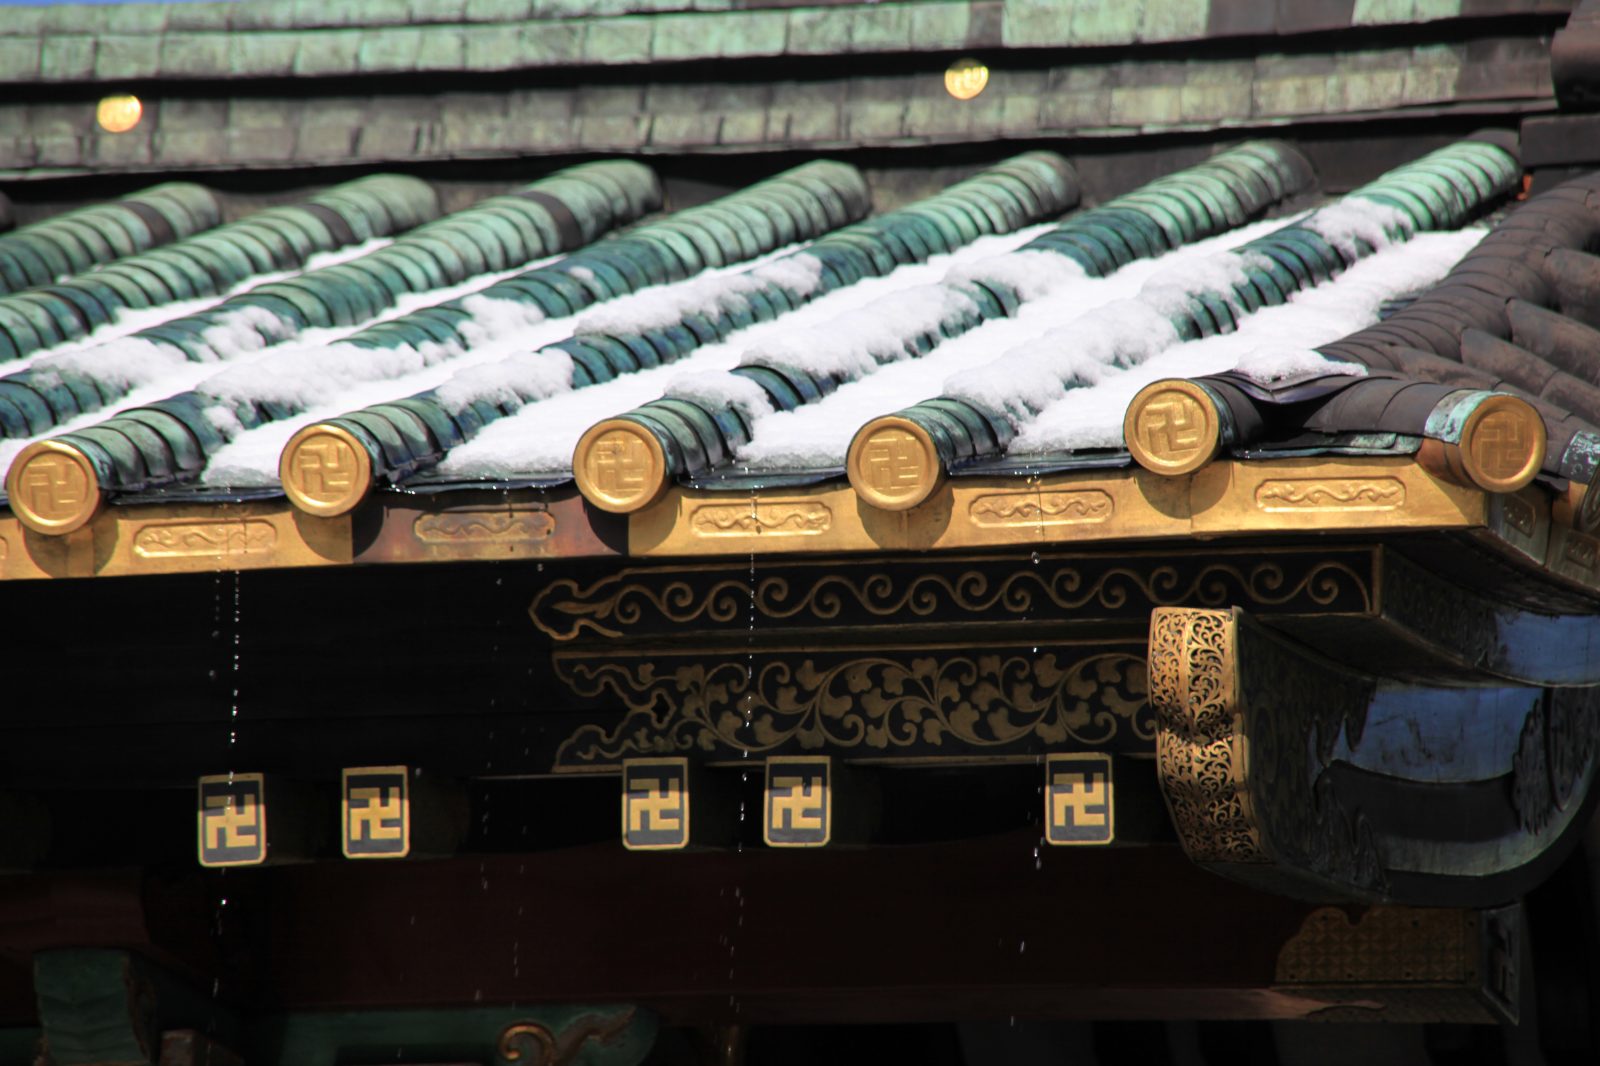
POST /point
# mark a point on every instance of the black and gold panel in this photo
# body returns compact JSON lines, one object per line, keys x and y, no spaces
{"x":1079,"y":795}
{"x":655,"y":804}
{"x":1032,"y":590}
{"x":375,"y":812}
{"x":927,"y":702}
{"x":797,"y":805}
{"x":232,"y":818}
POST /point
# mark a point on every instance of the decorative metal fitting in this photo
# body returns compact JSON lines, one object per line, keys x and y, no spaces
{"x":325,"y":470}
{"x":53,"y":487}
{"x":893,"y":463}
{"x":620,"y":466}
{"x":1173,"y":427}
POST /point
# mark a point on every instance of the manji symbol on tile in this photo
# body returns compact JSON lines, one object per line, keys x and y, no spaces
{"x":798,"y":804}
{"x":375,"y":811}
{"x":232,"y":816}
{"x":655,"y":804}
{"x":1078,"y":799}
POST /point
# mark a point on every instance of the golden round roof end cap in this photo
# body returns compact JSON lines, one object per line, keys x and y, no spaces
{"x":53,"y":487}
{"x":620,"y":466}
{"x":893,"y":463}
{"x":1503,"y":444}
{"x":1172,"y":427}
{"x":325,"y":470}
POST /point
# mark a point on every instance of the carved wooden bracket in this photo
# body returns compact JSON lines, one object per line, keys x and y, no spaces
{"x":1295,"y":774}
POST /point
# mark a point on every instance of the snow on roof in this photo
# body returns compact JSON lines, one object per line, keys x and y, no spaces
{"x":780,"y":328}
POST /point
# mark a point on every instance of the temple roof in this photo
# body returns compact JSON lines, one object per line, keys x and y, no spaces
{"x":683,"y":380}
{"x":285,"y":85}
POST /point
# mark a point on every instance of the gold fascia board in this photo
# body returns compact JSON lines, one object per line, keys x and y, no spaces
{"x":1322,"y":495}
{"x":176,"y":538}
{"x":475,"y":525}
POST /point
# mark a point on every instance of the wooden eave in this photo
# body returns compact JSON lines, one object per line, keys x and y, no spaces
{"x":1228,"y":499}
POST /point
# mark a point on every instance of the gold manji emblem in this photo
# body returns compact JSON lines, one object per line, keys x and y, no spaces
{"x":53,"y":488}
{"x":655,"y":804}
{"x":1078,"y":799}
{"x":376,"y":813}
{"x":1503,"y":443}
{"x":233,"y":820}
{"x":1172,"y":428}
{"x":619,"y":466}
{"x":893,"y":464}
{"x":325,"y":470}
{"x":798,"y":803}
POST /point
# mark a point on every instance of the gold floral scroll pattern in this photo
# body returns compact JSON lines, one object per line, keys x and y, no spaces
{"x":879,"y":703}
{"x":204,"y":538}
{"x":1241,"y":751}
{"x":772,"y":519}
{"x":609,"y":607}
{"x":1200,"y":751}
{"x":1041,"y":509}
{"x":1332,"y":494}
{"x":478,"y":527}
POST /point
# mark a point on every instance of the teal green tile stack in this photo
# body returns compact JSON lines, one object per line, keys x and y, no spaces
{"x":1169,"y":212}
{"x":797,"y":205}
{"x":571,"y":208}
{"x":205,"y":264}
{"x":170,"y":441}
{"x":413,"y":434}
{"x":43,"y":252}
{"x":1442,"y":190}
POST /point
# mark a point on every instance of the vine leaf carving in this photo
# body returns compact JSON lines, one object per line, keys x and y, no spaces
{"x":613,"y":606}
{"x":872,"y":702}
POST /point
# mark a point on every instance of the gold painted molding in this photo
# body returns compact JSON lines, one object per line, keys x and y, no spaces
{"x":1280,"y":496}
{"x":176,"y":539}
{"x":1273,"y":496}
